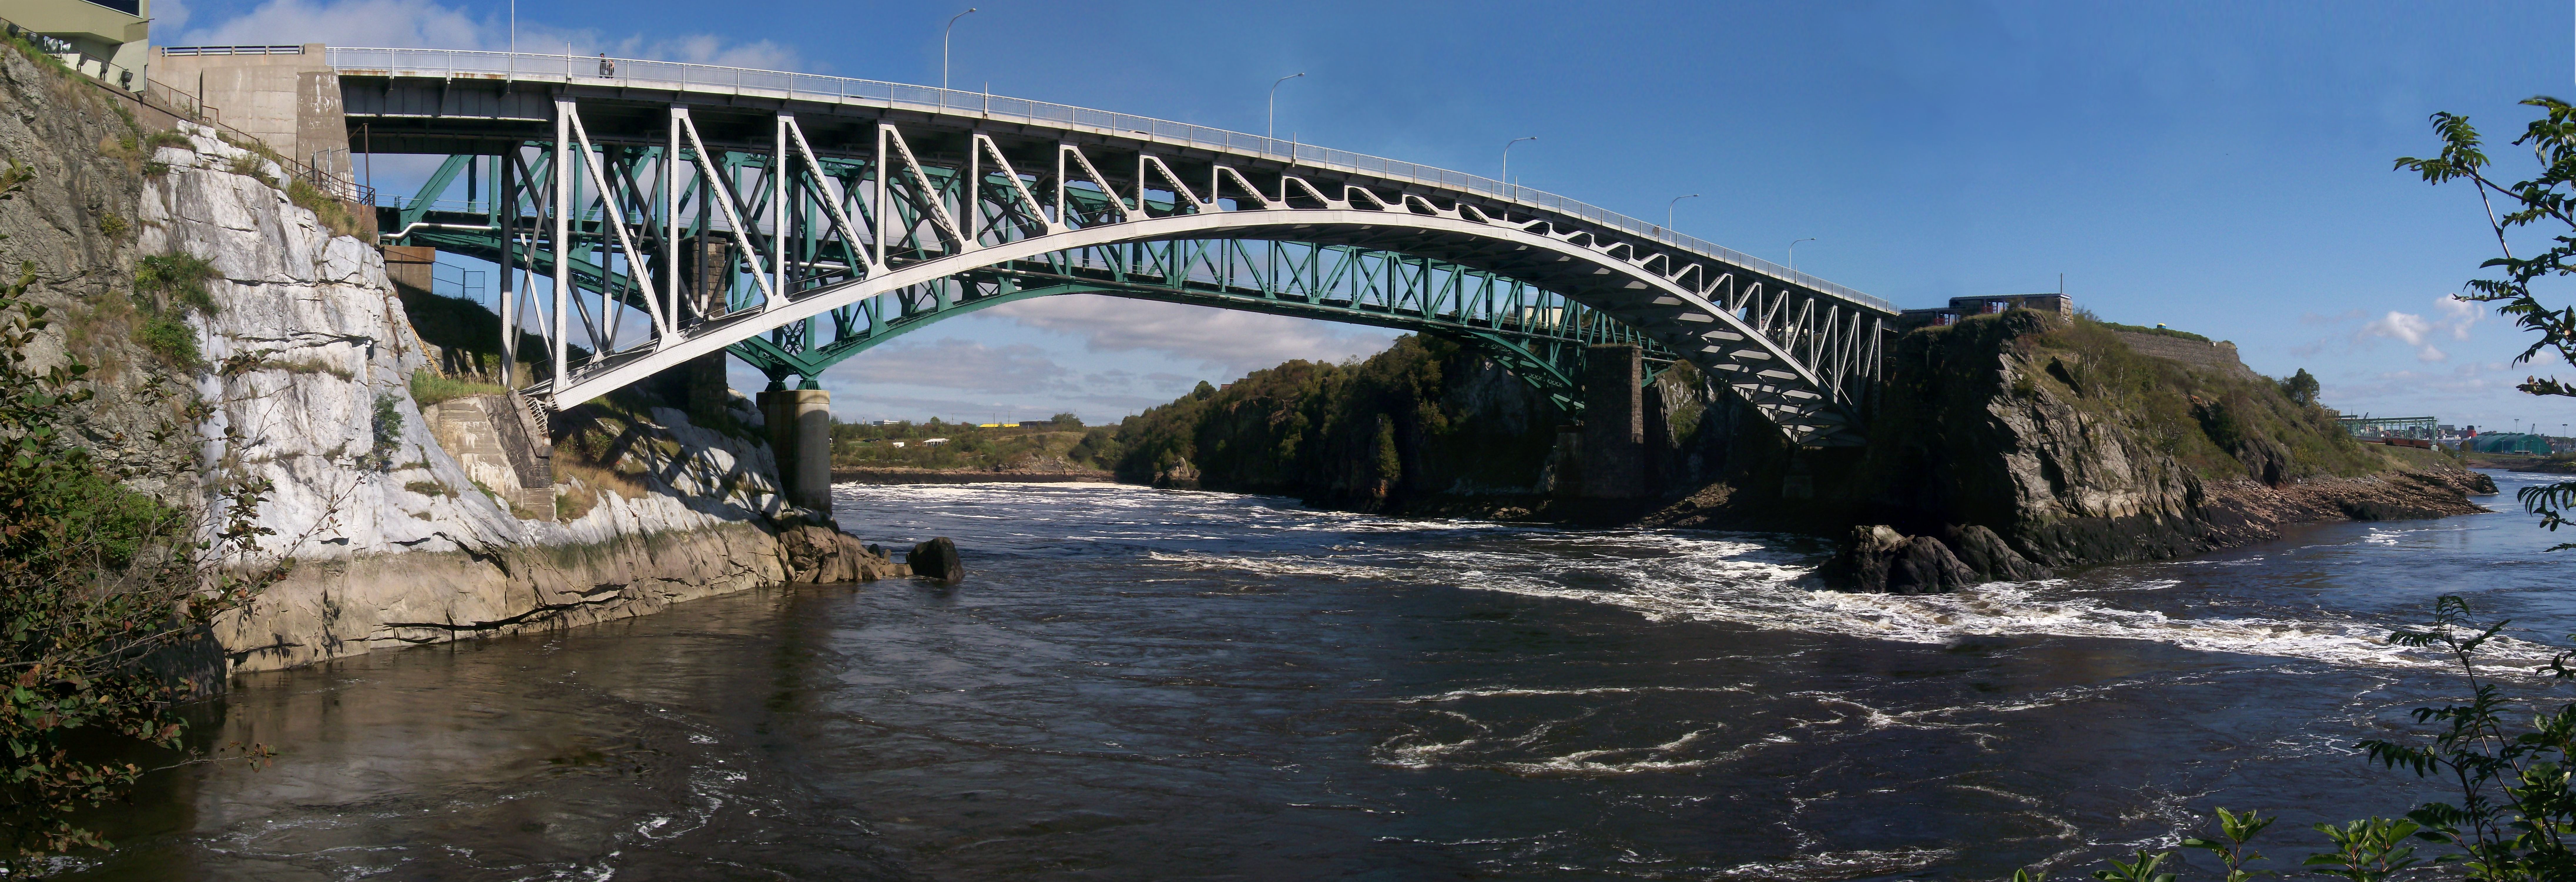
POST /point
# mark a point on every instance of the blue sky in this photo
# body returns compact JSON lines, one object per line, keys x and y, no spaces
{"x":2222,"y":168}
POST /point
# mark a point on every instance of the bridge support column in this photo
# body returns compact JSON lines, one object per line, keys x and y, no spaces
{"x":1614,"y":422}
{"x":800,"y":433}
{"x":697,"y":387}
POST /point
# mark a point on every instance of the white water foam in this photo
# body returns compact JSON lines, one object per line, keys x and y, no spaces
{"x":1734,"y":580}
{"x":1755,"y":581}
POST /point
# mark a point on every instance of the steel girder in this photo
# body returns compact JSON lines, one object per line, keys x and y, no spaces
{"x":1537,"y":336}
{"x":803,"y":235}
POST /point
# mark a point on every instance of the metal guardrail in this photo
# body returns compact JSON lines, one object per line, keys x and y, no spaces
{"x":232,"y":50}
{"x":450,"y":63}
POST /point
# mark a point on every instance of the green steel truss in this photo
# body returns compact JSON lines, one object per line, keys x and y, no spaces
{"x":1537,"y":335}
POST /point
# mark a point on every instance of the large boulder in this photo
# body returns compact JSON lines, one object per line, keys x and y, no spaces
{"x":1879,"y":560}
{"x":816,"y":554}
{"x":1989,"y":557}
{"x":1884,"y":561}
{"x":937,"y":559}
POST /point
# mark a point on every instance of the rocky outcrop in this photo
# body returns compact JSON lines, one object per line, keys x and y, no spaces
{"x":825,"y":555}
{"x":1880,"y":560}
{"x":1989,"y":556}
{"x":309,"y":364}
{"x":2030,"y":443}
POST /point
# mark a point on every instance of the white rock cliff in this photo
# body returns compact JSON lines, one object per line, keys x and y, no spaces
{"x":395,"y":544}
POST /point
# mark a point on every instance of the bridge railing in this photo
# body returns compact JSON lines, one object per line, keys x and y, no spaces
{"x":450,"y":63}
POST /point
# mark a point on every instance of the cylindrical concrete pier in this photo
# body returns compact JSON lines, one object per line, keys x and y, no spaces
{"x":800,"y":433}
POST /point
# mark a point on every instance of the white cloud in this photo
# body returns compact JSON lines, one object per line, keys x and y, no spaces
{"x":1236,"y":342}
{"x":2457,"y":316}
{"x":2405,"y":326}
{"x":430,"y":25}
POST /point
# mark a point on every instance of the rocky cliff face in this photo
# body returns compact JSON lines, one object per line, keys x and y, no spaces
{"x":235,"y":337}
{"x":311,"y":361}
{"x":73,"y":227}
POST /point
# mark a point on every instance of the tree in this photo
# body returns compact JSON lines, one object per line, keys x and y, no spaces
{"x":1066,"y":420}
{"x":2544,"y":202}
{"x":2301,"y":387}
{"x":96,"y":581}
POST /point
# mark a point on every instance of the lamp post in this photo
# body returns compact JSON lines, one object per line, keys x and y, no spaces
{"x":943,"y":48}
{"x":1272,"y":132}
{"x":1668,"y":210}
{"x":1793,"y":252}
{"x":1507,"y":157}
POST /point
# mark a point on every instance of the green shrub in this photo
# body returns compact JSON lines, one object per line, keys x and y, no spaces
{"x":94,"y":578}
{"x":388,"y":425}
{"x":111,"y":225}
{"x":171,"y":339}
{"x":169,"y":138}
{"x":177,"y":278}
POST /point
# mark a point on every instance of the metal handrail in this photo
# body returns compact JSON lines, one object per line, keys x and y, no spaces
{"x":571,"y":69}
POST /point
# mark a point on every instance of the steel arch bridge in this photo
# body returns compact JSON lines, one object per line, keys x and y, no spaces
{"x":701,"y":209}
{"x":1537,"y":336}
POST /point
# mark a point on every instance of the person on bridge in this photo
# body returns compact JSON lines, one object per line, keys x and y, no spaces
{"x":607,"y":68}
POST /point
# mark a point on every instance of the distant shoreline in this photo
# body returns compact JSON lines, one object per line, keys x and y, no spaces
{"x":846,"y":475}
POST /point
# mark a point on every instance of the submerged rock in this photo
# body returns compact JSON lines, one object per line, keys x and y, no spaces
{"x":937,"y":559}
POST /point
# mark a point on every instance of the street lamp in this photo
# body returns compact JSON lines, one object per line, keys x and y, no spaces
{"x":943,"y":47}
{"x":1668,"y":210}
{"x":1507,"y":156}
{"x":1793,"y":252}
{"x":1272,"y":132}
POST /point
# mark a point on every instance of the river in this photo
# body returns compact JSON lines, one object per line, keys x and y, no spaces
{"x":1142,"y":684}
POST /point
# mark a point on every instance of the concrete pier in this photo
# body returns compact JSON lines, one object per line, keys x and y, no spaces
{"x":800,"y":432}
{"x":1614,"y":422}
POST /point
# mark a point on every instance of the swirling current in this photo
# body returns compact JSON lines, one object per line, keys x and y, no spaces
{"x":1146,"y":684}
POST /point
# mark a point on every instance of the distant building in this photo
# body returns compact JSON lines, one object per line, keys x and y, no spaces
{"x":2419,"y":428}
{"x":898,"y":443}
{"x":933,"y":442}
{"x":106,"y":39}
{"x":1963,"y":307}
{"x":2510,"y":442}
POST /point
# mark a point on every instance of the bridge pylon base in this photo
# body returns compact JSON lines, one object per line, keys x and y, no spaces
{"x":800,"y":434}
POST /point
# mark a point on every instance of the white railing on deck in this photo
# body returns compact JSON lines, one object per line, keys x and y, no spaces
{"x":448,"y":63}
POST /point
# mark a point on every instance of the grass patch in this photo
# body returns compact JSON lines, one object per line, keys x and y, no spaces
{"x":310,"y":364}
{"x":326,"y":208}
{"x":251,"y":167}
{"x":169,"y":138}
{"x":110,"y":225}
{"x":2160,"y":332}
{"x":2218,"y":424}
{"x":429,"y":388}
{"x":430,"y":488}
